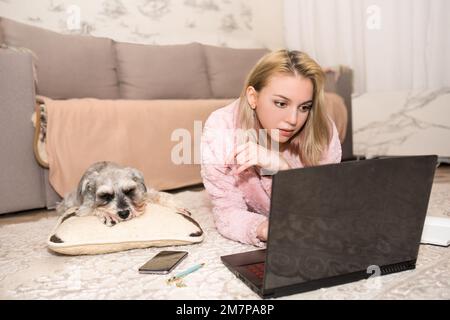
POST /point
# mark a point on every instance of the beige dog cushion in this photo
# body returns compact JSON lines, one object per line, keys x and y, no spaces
{"x":158,"y":226}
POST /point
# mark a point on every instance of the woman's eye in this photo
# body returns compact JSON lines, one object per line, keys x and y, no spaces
{"x":305,"y":108}
{"x":280,"y":104}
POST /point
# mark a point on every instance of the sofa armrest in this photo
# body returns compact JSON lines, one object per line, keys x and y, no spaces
{"x":21,"y":178}
{"x":340,"y":81}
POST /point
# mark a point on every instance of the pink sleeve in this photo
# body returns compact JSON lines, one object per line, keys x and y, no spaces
{"x":230,"y":212}
{"x":334,"y":152}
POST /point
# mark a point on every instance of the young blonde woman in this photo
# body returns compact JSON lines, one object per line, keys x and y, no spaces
{"x":284,"y":97}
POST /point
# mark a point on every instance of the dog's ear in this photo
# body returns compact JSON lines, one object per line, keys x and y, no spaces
{"x":138,"y":177}
{"x":86,"y":186}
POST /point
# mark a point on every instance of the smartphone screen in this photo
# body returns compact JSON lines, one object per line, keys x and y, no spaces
{"x":163,"y":262}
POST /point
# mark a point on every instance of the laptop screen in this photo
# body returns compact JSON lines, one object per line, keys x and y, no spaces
{"x":337,"y":219}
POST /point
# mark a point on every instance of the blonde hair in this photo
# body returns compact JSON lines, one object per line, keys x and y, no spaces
{"x":313,"y":138}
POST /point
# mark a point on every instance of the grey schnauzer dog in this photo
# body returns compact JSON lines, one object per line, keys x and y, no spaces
{"x":112,"y":192}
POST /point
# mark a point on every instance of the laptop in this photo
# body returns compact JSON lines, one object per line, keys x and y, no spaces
{"x":338,"y":223}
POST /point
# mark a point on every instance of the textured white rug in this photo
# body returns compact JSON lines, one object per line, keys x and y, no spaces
{"x":29,"y":271}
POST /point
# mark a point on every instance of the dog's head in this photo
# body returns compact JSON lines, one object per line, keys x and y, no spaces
{"x":119,"y":191}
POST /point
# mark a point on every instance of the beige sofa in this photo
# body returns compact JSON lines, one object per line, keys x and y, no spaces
{"x":73,"y":66}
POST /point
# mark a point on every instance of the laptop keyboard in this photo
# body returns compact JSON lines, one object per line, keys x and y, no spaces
{"x":257,"y":269}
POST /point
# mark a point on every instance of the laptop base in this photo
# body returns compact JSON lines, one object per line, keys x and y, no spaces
{"x":238,"y":264}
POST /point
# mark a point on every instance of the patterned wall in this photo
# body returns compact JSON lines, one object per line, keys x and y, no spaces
{"x":219,"y":22}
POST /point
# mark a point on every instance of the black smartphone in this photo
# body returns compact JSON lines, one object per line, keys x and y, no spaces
{"x":163,"y":262}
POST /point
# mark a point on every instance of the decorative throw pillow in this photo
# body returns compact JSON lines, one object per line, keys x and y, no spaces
{"x":68,"y":65}
{"x":158,"y":226}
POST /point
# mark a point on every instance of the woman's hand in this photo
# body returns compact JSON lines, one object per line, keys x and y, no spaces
{"x":263,"y":230}
{"x":252,"y":154}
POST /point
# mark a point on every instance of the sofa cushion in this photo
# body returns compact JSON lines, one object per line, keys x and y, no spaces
{"x":69,"y":66}
{"x":228,"y":69}
{"x":162,"y":71}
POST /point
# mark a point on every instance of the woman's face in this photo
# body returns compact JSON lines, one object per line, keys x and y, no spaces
{"x":283,"y":104}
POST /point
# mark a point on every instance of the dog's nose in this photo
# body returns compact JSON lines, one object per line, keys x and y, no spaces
{"x":124,"y":214}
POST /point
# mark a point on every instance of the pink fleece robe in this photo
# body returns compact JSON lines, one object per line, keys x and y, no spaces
{"x":241,"y":203}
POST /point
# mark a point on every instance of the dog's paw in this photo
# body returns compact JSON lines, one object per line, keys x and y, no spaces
{"x":107,"y":219}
